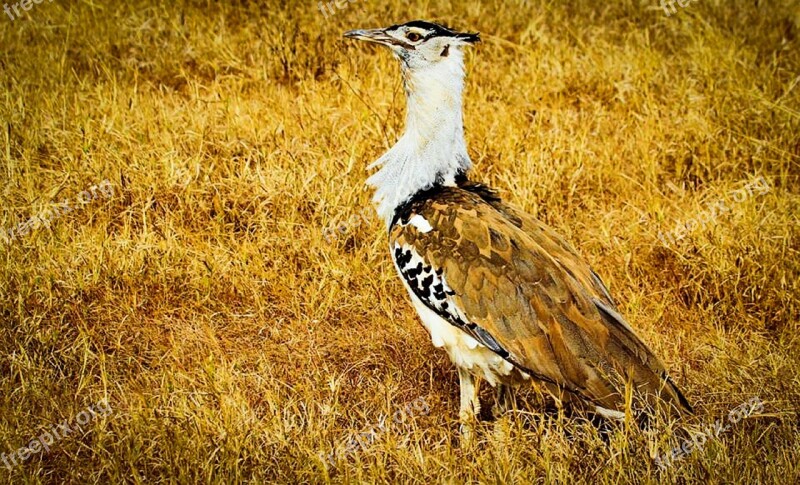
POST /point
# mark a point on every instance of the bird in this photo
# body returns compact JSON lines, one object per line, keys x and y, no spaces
{"x":510,"y":301}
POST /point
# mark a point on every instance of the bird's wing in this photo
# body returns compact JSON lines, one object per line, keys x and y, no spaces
{"x":555,"y":245}
{"x":503,"y":285}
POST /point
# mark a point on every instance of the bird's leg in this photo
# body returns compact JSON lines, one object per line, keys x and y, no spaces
{"x":470,"y":404}
{"x":503,"y":400}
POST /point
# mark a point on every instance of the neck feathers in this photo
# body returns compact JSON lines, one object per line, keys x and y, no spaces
{"x":432,"y":151}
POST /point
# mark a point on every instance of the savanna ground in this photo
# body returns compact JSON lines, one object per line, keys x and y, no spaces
{"x":236,"y":340}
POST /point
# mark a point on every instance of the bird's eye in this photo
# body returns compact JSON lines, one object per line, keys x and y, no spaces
{"x":413,"y":36}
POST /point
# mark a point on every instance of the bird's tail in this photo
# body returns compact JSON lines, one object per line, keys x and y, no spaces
{"x":678,"y":399}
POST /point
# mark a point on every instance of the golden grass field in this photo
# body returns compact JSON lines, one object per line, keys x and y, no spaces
{"x":237,"y":307}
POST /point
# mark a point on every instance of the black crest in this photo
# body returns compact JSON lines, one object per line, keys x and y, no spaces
{"x":437,"y":30}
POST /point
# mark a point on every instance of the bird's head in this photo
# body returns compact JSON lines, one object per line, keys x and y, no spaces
{"x":419,"y":44}
{"x":432,"y":149}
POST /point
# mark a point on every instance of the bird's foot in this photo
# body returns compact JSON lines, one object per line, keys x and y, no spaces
{"x":467,"y":430}
{"x":503,"y":401}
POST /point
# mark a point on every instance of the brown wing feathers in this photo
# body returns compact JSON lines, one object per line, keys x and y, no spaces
{"x":524,"y":289}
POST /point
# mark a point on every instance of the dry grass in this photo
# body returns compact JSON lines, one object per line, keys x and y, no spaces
{"x":234,"y":344}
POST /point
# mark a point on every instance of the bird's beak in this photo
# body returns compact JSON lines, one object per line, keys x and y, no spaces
{"x":378,"y":36}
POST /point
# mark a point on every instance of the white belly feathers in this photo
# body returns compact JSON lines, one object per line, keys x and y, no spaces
{"x":465,"y":351}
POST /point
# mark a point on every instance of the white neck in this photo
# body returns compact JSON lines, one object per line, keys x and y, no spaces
{"x":432,"y":149}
